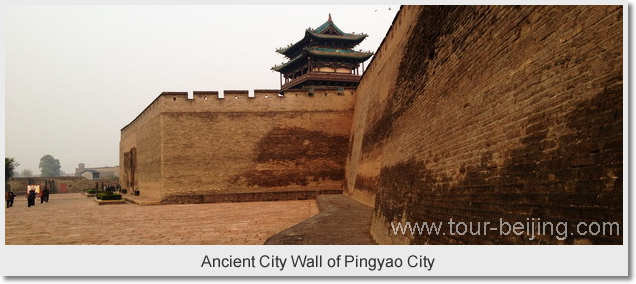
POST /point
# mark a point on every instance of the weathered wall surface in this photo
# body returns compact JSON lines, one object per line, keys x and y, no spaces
{"x":376,"y":85}
{"x":140,"y":153}
{"x":478,"y":113}
{"x":268,"y":143}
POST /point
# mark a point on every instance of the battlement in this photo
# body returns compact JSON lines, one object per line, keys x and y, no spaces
{"x":260,"y":100}
{"x":236,"y":94}
{"x":206,"y":94}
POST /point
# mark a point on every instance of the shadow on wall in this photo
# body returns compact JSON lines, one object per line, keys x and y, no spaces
{"x":289,"y":156}
{"x":573,"y":174}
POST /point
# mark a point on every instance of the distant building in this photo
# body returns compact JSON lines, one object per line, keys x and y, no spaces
{"x":90,"y":174}
{"x":96,"y":173}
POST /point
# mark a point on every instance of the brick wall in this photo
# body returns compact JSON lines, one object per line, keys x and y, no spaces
{"x":72,"y":184}
{"x":478,"y":113}
{"x":142,"y":138}
{"x":239,"y":144}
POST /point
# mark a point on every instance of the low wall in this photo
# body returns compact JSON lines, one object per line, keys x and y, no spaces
{"x":60,"y":184}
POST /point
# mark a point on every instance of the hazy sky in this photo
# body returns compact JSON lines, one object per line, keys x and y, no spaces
{"x":76,"y":75}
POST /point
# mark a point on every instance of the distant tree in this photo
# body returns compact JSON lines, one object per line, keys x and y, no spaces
{"x":9,"y":171}
{"x":9,"y":168}
{"x":26,"y":173}
{"x":49,"y":166}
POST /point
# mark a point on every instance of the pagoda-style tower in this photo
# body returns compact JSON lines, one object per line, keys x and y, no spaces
{"x":324,"y":57}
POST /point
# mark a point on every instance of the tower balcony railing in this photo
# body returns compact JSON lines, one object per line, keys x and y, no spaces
{"x":322,"y":76}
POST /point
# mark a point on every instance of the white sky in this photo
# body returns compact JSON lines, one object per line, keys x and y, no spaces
{"x":76,"y":75}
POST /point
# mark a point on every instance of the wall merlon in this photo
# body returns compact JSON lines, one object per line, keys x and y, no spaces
{"x":321,"y":99}
{"x":174,"y":93}
{"x":213,"y":93}
{"x":239,"y":93}
{"x":271,"y":93}
{"x":175,"y":96}
{"x":266,"y":91}
{"x":205,"y":95}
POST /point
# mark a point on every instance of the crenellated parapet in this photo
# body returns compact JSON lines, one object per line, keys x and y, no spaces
{"x":258,"y":100}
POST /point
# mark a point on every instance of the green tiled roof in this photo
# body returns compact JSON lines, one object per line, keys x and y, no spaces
{"x":326,"y":52}
{"x":326,"y":31}
{"x":357,"y":38}
{"x":328,"y":23}
{"x":318,"y":33}
{"x":344,"y":36}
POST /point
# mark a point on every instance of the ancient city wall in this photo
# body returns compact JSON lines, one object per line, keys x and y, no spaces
{"x":478,"y":113}
{"x":140,"y":152}
{"x":376,"y":85}
{"x":239,"y":144}
{"x":262,"y":101}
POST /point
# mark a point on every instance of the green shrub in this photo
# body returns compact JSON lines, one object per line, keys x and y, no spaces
{"x":90,"y":191}
{"x":111,"y":197}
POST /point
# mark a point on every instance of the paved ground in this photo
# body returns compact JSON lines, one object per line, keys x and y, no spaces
{"x":341,"y":221}
{"x":73,"y":219}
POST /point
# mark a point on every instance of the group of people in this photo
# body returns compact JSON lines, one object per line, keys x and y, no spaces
{"x":9,"y":197}
{"x":44,"y":196}
{"x":112,"y":188}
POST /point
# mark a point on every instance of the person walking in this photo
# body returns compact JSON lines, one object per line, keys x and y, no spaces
{"x":46,"y":194}
{"x":31,"y":198}
{"x":11,"y":197}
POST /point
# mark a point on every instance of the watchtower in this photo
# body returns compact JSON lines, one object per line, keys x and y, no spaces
{"x":324,"y":57}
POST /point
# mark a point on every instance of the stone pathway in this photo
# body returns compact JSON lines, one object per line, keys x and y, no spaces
{"x":341,"y":221}
{"x":74,"y":219}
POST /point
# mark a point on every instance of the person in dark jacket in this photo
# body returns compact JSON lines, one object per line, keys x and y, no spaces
{"x":46,"y":194}
{"x":31,"y":198}
{"x":11,"y":198}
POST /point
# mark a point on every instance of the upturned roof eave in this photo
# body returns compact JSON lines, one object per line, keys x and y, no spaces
{"x":358,"y":56}
{"x":357,"y":38}
{"x":352,"y":55}
{"x":281,"y":67}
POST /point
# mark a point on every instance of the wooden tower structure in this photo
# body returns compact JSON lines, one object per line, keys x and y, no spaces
{"x":324,"y":57}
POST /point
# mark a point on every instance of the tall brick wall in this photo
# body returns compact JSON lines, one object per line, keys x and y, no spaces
{"x":239,"y":144}
{"x":376,"y":85}
{"x":140,"y":152}
{"x":478,"y":113}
